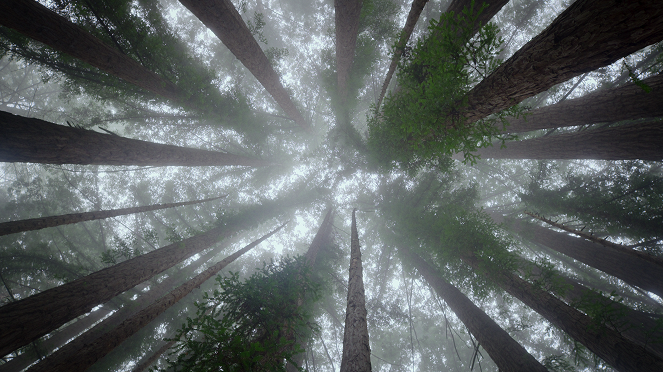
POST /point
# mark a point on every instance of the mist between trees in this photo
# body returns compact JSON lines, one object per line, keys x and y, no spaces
{"x":331,"y":185}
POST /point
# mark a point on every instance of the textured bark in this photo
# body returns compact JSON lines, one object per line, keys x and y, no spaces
{"x":637,"y":326}
{"x":356,"y":348}
{"x":347,"y":25}
{"x":145,"y":363}
{"x":588,"y":35}
{"x":412,"y":18}
{"x":630,"y":268}
{"x":23,"y":321}
{"x":507,"y":353}
{"x":221,"y":17}
{"x":65,"y":219}
{"x":38,"y":22}
{"x":607,"y":344}
{"x":625,"y":142}
{"x":29,"y":140}
{"x":88,"y":353}
{"x":604,"y":106}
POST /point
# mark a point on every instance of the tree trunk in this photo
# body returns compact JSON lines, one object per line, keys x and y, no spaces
{"x":506,"y":352}
{"x":38,"y":22}
{"x":629,"y":268}
{"x":347,"y":25}
{"x":221,"y":17}
{"x":29,"y":140}
{"x":588,"y":35}
{"x":605,"y":106}
{"x":146,"y":362}
{"x":625,"y":142}
{"x":85,"y":354}
{"x":356,"y":348}
{"x":23,"y":321}
{"x":607,"y":344}
{"x":65,"y":219}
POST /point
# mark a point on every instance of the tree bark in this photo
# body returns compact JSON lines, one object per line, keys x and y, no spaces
{"x":629,"y":268}
{"x":588,"y":35}
{"x":83,"y":355}
{"x":13,"y":227}
{"x":507,"y":353}
{"x":625,"y":142}
{"x":605,"y":106}
{"x":221,"y":17}
{"x":38,"y":22}
{"x":29,"y":140}
{"x":146,"y":362}
{"x":607,"y":344}
{"x":23,"y":321}
{"x":347,"y":25}
{"x":356,"y":348}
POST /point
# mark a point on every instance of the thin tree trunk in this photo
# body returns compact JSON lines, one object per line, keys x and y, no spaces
{"x":506,"y":352}
{"x":356,"y":348}
{"x":23,"y":321}
{"x":30,"y":140}
{"x":221,"y":17}
{"x":625,"y":142}
{"x":347,"y":25}
{"x":630,"y":268}
{"x":86,"y":354}
{"x":145,"y":363}
{"x":604,"y":106}
{"x":588,"y":35}
{"x":607,"y":344}
{"x":65,"y":219}
{"x":38,"y":22}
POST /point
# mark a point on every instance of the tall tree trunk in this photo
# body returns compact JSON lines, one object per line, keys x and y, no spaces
{"x":506,"y":352}
{"x":625,"y":142}
{"x":607,"y":344}
{"x":30,"y":140}
{"x":356,"y":348}
{"x":347,"y":25}
{"x":144,"y":363}
{"x":44,"y":222}
{"x":221,"y":17}
{"x":81,"y":355}
{"x":588,"y":35}
{"x":604,"y":106}
{"x":38,"y":22}
{"x":23,"y":321}
{"x":630,"y":268}
{"x":635,"y":325}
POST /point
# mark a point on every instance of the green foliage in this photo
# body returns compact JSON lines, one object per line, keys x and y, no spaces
{"x":423,"y":122}
{"x":250,"y":325}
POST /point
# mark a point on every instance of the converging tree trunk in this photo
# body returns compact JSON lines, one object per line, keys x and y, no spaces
{"x":506,"y":352}
{"x":30,"y":140}
{"x":625,"y":142}
{"x":347,"y":25}
{"x":145,"y":363}
{"x":88,"y":353}
{"x":13,"y":227}
{"x":38,"y":22}
{"x":356,"y":349}
{"x":604,"y":106}
{"x":609,"y":345}
{"x":221,"y":17}
{"x":589,"y":34}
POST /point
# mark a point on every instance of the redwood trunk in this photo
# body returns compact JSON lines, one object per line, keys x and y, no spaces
{"x":605,"y":106}
{"x":23,"y":321}
{"x":65,"y":219}
{"x":507,"y":353}
{"x":221,"y":17}
{"x":356,"y":349}
{"x":29,"y":140}
{"x":38,"y":22}
{"x":588,"y":35}
{"x":347,"y":25}
{"x":145,"y":363}
{"x":607,"y":344}
{"x":625,"y":142}
{"x":86,"y":354}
